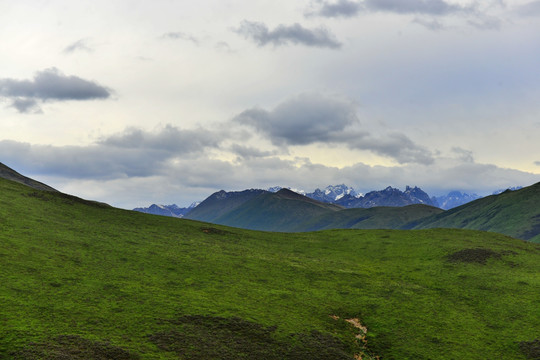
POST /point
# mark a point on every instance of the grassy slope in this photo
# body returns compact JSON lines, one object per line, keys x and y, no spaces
{"x":372,"y":218}
{"x":117,"y":277}
{"x":514,"y":213}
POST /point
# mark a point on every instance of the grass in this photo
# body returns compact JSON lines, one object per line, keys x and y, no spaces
{"x":80,"y":279}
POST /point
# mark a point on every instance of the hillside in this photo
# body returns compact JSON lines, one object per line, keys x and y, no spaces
{"x":221,"y":203}
{"x":371,"y":218}
{"x":10,"y":174}
{"x":514,"y":213}
{"x":81,"y":280}
{"x":281,"y":211}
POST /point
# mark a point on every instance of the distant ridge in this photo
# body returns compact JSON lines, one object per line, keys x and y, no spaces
{"x":172,"y":210}
{"x":514,"y":213}
{"x":288,"y":211}
{"x":10,"y":174}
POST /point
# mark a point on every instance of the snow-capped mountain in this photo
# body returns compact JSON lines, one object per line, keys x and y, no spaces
{"x":387,"y":197}
{"x":332,"y":193}
{"x":167,"y":210}
{"x":455,"y":199}
{"x":275,"y":189}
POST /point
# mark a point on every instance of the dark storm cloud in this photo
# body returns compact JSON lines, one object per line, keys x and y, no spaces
{"x":49,"y":85}
{"x":79,"y":45}
{"x":314,"y":118}
{"x":132,"y":153}
{"x":346,"y":8}
{"x":285,"y":34}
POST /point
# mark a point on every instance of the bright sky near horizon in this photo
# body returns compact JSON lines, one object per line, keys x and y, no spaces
{"x":139,"y":102}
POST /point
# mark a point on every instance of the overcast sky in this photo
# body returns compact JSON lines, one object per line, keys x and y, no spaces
{"x":141,"y":102}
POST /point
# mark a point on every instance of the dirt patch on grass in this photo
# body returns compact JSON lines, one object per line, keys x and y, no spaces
{"x":207,"y":337}
{"x":364,"y":353}
{"x":531,"y":349}
{"x":478,"y":255}
{"x":72,"y":347}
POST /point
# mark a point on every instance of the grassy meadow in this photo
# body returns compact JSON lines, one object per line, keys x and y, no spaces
{"x":83,"y":280}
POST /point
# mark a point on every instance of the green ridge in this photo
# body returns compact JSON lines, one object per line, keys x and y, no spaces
{"x":514,"y":213}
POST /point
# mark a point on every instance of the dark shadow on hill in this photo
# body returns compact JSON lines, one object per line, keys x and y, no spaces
{"x":531,"y":349}
{"x":73,"y":347}
{"x":207,"y":337}
{"x":478,"y":255}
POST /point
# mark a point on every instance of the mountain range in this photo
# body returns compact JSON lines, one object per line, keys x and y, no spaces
{"x":347,"y":197}
{"x":515,"y":213}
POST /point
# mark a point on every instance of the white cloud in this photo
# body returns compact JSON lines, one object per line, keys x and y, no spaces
{"x":287,"y":34}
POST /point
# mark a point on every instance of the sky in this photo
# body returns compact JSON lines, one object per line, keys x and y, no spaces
{"x":138,"y":102}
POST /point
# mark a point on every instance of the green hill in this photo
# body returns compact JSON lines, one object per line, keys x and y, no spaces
{"x":372,"y":218}
{"x":81,"y":280}
{"x":281,"y":211}
{"x":221,"y":203}
{"x":514,"y":213}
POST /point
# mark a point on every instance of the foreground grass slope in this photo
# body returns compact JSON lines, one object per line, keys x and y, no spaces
{"x":514,"y":213}
{"x":82,"y":280}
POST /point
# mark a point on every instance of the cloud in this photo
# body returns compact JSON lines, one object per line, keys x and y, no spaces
{"x":79,"y":45}
{"x":131,"y":153}
{"x":180,"y":36}
{"x":285,"y":34}
{"x":433,"y":24}
{"x":248,"y":152}
{"x":537,"y":163}
{"x":463,"y":155}
{"x":486,"y":23}
{"x":346,"y":8}
{"x":315,"y":118}
{"x":530,"y":9}
{"x":426,"y":7}
{"x":302,"y":120}
{"x":26,"y":106}
{"x":341,"y":8}
{"x":169,"y":139}
{"x":394,"y":145}
{"x":49,"y":85}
